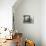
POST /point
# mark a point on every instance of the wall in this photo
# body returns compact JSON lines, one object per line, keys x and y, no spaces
{"x":43,"y":22}
{"x":6,"y":13}
{"x":30,"y":31}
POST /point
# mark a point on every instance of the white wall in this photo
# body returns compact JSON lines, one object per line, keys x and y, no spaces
{"x":6,"y":13}
{"x":36,"y":8}
{"x":31,"y":31}
{"x":43,"y":22}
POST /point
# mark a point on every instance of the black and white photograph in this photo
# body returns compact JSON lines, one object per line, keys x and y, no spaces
{"x":28,"y":19}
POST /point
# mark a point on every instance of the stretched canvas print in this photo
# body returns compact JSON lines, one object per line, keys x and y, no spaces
{"x":22,"y":22}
